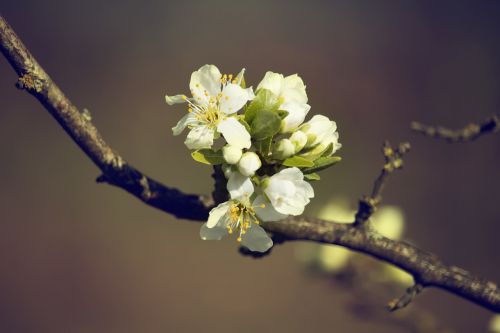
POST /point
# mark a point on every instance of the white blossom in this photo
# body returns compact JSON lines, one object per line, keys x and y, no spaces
{"x":283,"y":149}
{"x":321,"y":132}
{"x":288,"y":192}
{"x":249,"y":163}
{"x":317,"y":129}
{"x":215,"y":97}
{"x":291,"y":92}
{"x":240,"y":216}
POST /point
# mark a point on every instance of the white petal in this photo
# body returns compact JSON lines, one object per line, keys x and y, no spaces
{"x":177,"y":99}
{"x":181,"y":125}
{"x":205,"y":83}
{"x":266,"y":212}
{"x":296,"y":115}
{"x":234,"y":132}
{"x":216,"y":233}
{"x":273,"y":82}
{"x":250,"y":93}
{"x":200,"y":137}
{"x":308,"y":189}
{"x":217,"y":213}
{"x":294,"y":90}
{"x":239,"y":186}
{"x":239,"y":77}
{"x":293,"y":174}
{"x":256,"y":239}
{"x":233,"y":98}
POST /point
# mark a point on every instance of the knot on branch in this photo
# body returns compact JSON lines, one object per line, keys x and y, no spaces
{"x":30,"y":83}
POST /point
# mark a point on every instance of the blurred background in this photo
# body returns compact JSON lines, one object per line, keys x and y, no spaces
{"x":76,"y":256}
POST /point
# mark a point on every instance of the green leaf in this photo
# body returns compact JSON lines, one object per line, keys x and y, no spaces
{"x":297,"y":161}
{"x":208,"y":156}
{"x":317,"y":151}
{"x":265,"y":100}
{"x":322,"y":163}
{"x":264,"y":146}
{"x":312,"y":176}
{"x":265,"y":124}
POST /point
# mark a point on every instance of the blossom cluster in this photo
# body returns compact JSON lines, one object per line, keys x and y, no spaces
{"x":268,"y":154}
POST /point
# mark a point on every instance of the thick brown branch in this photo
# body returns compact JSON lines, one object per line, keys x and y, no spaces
{"x":426,"y":268}
{"x":116,"y":171}
{"x":468,"y":133}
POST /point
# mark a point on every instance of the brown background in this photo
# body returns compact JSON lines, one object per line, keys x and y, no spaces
{"x":81,"y":257}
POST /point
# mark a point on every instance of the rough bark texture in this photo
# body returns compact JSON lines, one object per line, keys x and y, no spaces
{"x":426,"y":268}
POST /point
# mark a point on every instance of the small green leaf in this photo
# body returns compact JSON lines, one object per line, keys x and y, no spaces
{"x":264,"y":146}
{"x":312,"y":176}
{"x":297,"y":161}
{"x":265,"y":100}
{"x":282,"y":113}
{"x":265,"y":124}
{"x":322,"y":163}
{"x":316,"y":152}
{"x":208,"y":156}
{"x":328,"y":151}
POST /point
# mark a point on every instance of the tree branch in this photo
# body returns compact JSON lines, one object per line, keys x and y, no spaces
{"x":469,"y":133}
{"x":426,"y":268}
{"x":115,"y":170}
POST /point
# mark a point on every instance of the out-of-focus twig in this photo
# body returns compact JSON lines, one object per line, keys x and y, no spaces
{"x":469,"y":133}
{"x":393,"y":161}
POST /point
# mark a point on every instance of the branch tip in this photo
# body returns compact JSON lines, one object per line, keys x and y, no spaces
{"x":410,"y":294}
{"x":468,"y":133}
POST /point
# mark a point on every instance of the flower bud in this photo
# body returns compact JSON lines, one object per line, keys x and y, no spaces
{"x":299,"y":140}
{"x":231,"y":154}
{"x":283,"y":149}
{"x":317,"y":129}
{"x":249,"y":163}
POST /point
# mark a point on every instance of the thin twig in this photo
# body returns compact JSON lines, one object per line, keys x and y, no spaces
{"x":426,"y":268}
{"x":406,"y":299}
{"x":469,"y":133}
{"x":393,"y":161}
